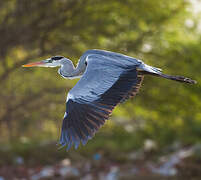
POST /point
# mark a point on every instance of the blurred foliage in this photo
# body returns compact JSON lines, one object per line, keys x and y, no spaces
{"x":164,"y":34}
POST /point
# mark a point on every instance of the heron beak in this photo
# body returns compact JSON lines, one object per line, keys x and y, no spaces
{"x":39,"y":64}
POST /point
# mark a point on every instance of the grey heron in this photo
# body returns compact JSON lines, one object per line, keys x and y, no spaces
{"x":107,"y":79}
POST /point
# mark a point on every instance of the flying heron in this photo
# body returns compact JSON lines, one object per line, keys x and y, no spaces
{"x":107,"y":79}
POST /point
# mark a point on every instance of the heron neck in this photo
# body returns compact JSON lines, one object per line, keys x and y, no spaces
{"x":69,"y":71}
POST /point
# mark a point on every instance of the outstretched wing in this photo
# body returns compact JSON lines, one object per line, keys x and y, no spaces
{"x":105,"y":83}
{"x":135,"y":88}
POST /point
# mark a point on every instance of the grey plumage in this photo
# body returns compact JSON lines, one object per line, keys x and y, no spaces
{"x":107,"y":78}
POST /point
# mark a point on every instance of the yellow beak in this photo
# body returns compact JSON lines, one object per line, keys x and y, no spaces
{"x":40,"y":63}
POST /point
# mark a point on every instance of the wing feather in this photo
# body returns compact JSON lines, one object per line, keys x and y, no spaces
{"x":104,"y":84}
{"x":135,"y":88}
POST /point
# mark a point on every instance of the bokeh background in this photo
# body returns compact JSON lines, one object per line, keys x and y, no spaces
{"x":156,"y":134}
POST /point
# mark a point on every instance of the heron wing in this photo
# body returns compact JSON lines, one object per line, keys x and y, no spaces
{"x":135,"y":88}
{"x":105,"y":83}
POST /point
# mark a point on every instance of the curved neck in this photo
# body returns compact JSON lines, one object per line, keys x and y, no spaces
{"x":68,"y":70}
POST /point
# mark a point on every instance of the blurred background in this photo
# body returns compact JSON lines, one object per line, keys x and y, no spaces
{"x":156,"y":135}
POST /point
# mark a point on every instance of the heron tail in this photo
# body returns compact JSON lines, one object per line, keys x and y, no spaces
{"x":149,"y":70}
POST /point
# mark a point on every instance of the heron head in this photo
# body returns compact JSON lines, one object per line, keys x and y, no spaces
{"x":50,"y":62}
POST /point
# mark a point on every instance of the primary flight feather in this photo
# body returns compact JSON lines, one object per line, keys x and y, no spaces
{"x":107,"y":78}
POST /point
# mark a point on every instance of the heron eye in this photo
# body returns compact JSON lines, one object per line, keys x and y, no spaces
{"x":57,"y":57}
{"x":50,"y":61}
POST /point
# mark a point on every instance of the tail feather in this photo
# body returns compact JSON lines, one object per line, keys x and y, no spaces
{"x":144,"y":69}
